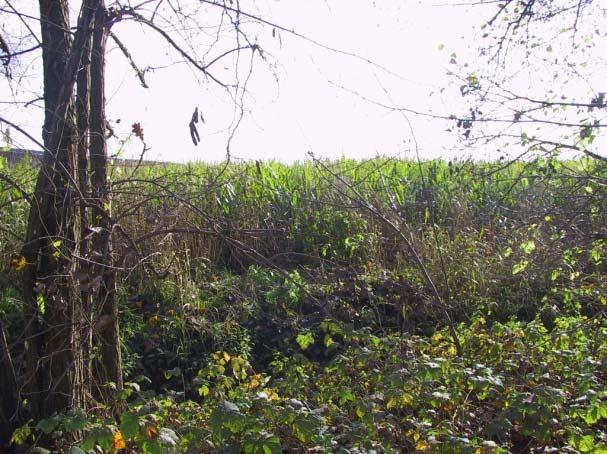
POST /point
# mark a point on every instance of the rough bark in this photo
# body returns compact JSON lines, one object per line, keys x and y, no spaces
{"x":83,"y":84}
{"x":9,"y":402}
{"x":53,"y":379}
{"x":109,"y":369}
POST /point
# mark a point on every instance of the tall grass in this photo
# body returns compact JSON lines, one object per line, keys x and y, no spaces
{"x":460,"y":216}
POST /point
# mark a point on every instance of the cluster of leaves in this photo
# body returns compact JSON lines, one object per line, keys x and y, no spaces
{"x":518,"y":388}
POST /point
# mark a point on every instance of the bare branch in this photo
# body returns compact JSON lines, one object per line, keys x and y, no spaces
{"x":10,"y":55}
{"x":176,"y":46}
{"x":301,"y":36}
{"x":22,"y":17}
{"x":128,"y":56}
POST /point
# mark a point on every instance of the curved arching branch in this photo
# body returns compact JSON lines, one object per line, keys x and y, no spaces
{"x":139,"y":18}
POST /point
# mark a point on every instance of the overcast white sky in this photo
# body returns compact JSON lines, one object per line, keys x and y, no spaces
{"x":303,"y":110}
{"x":294,"y":104}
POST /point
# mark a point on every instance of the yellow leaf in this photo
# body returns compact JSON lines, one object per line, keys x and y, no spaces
{"x":19,"y":263}
{"x":118,"y":443}
{"x":412,"y":434}
{"x":406,"y":399}
{"x":422,"y":446}
{"x":254,"y":381}
{"x":392,"y":403}
{"x":272,"y":395}
{"x":438,"y":337}
{"x":221,"y":357}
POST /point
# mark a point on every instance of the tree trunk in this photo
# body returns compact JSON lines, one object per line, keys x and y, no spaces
{"x":110,"y":368}
{"x":54,"y":369}
{"x":9,"y":402}
{"x":83,"y":105}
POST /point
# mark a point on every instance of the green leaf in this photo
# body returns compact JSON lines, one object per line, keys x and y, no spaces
{"x":304,"y":429}
{"x":528,"y":246}
{"x":76,"y":450}
{"x":21,"y":434}
{"x":129,"y":424}
{"x":582,"y":443}
{"x":40,"y":303}
{"x":152,"y":447}
{"x":304,"y":340}
{"x":346,"y":396}
{"x":88,"y":443}
{"x":105,"y":438}
{"x":519,"y":267}
{"x":48,"y":425}
{"x":74,"y":422}
{"x":102,"y":436}
{"x":596,"y":412}
{"x":175,"y":372}
{"x":39,"y":450}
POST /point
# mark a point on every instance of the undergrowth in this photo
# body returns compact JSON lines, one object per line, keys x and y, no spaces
{"x":292,"y":319}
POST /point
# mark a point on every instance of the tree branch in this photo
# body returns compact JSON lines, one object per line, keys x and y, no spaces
{"x":127,"y":54}
{"x":175,"y":46}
